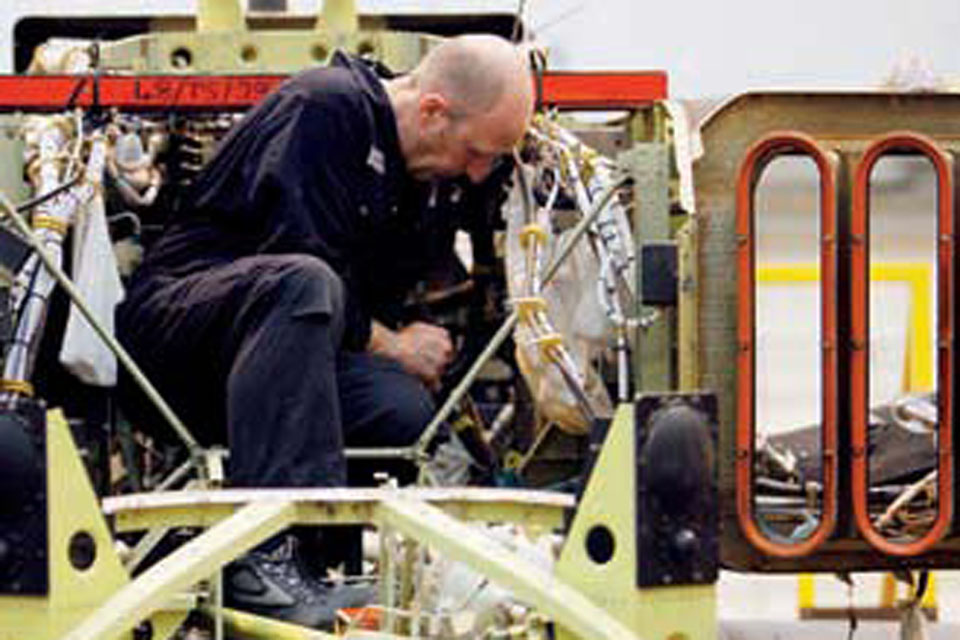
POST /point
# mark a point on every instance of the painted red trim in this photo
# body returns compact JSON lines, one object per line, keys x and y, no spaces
{"x":860,"y":336}
{"x":756,"y":158}
{"x":227,"y":92}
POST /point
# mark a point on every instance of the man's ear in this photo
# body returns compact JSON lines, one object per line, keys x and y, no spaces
{"x":433,"y":109}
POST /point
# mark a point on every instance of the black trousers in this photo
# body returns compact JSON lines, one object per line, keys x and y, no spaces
{"x":248,"y":353}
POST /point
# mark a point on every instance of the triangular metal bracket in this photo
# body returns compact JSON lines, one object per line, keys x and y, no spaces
{"x":600,"y":555}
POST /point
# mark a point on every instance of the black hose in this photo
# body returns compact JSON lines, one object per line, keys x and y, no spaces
{"x":33,"y":202}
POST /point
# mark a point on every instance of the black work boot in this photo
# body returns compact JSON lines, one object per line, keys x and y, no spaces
{"x":272,"y":583}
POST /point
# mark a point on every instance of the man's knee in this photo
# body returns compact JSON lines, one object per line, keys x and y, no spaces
{"x":302,"y":285}
{"x":383,"y":406}
{"x":411,"y":409}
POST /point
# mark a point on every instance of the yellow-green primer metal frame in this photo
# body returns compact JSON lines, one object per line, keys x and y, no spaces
{"x":222,"y":43}
{"x":246,"y":625}
{"x":404,"y":511}
{"x":585,"y":599}
{"x":101,"y":602}
{"x":73,"y":594}
{"x":610,"y":502}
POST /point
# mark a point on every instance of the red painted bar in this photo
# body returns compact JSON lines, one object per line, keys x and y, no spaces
{"x":237,"y":92}
{"x":754,"y":161}
{"x":860,"y":337}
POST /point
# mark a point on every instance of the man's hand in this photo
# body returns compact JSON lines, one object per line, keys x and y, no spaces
{"x":424,"y":350}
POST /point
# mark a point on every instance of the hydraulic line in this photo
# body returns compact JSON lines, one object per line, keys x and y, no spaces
{"x":64,"y":281}
{"x":417,"y":451}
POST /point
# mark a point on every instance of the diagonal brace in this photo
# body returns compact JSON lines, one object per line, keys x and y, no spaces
{"x":194,"y":561}
{"x":490,"y":557}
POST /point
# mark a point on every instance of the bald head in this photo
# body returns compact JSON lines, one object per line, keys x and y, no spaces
{"x":467,"y":103}
{"x":474,"y":72}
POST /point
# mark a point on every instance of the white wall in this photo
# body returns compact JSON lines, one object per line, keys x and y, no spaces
{"x":720,"y":47}
{"x":707,"y":48}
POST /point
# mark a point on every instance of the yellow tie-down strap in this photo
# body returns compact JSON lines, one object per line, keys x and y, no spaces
{"x":17,"y":386}
{"x":550,"y":345}
{"x":528,"y":307}
{"x":534,"y":232}
{"x":50,"y":222}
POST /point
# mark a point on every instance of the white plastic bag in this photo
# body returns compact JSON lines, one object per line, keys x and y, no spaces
{"x":95,"y":273}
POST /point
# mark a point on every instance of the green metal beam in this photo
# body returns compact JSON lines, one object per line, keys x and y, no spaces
{"x":254,"y":627}
{"x":218,"y":15}
{"x":649,"y":165}
{"x":194,"y":561}
{"x":339,"y":17}
{"x":490,"y":557}
{"x":138,"y":512}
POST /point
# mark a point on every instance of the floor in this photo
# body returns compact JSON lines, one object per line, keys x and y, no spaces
{"x":754,"y":607}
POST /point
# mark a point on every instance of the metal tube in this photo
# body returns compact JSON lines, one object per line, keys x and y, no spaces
{"x":583,"y":225}
{"x":118,"y":350}
{"x":32,"y":292}
{"x":249,"y":625}
{"x":25,"y":206}
{"x":379,"y":453}
{"x":175,"y":476}
{"x":461,"y":389}
{"x":216,"y":588}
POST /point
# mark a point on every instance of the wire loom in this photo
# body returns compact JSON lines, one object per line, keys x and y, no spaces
{"x":565,"y":325}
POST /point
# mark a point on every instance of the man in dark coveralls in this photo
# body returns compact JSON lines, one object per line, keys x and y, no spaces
{"x":256,"y":310}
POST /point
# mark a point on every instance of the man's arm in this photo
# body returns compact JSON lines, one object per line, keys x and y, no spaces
{"x":424,"y":350}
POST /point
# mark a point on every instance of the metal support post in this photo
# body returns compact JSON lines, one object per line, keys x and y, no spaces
{"x":653,"y":354}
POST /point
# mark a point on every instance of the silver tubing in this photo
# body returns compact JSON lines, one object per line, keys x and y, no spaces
{"x":196,"y":452}
{"x":175,"y":476}
{"x":33,"y":284}
{"x":380,"y":453}
{"x":461,"y":389}
{"x":583,"y":225}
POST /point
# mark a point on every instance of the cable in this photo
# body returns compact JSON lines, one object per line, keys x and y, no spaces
{"x":23,"y":207}
{"x":518,"y":18}
{"x":196,"y":451}
{"x":922,"y":583}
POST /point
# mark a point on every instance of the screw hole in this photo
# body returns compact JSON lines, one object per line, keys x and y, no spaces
{"x":181,"y":58}
{"x":249,"y":53}
{"x":319,"y":52}
{"x":366,"y":48}
{"x":82,"y":550}
{"x":600,"y":544}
